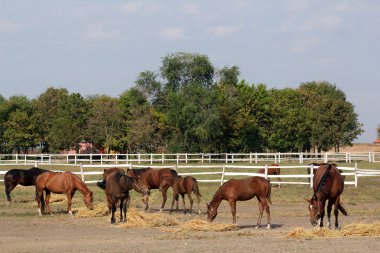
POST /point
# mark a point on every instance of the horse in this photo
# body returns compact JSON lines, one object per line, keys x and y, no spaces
{"x":315,"y":168}
{"x":117,"y":189}
{"x":23,"y":177}
{"x":151,"y":179}
{"x":102,"y":183}
{"x":272,"y":171}
{"x":240,"y":190}
{"x":183,"y":186}
{"x":328,"y":185}
{"x":61,"y":183}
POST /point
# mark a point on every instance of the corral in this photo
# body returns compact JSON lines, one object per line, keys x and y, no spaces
{"x":22,"y":230}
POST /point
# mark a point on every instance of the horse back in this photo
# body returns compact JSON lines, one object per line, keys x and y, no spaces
{"x":57,"y":182}
{"x":332,"y":184}
{"x":118,"y":184}
{"x":245,"y":189}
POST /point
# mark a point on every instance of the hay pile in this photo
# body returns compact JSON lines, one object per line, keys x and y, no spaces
{"x":99,"y":210}
{"x":137,"y":219}
{"x":205,"y":226}
{"x":353,"y":230}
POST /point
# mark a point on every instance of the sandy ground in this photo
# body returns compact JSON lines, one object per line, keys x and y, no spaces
{"x":60,"y":233}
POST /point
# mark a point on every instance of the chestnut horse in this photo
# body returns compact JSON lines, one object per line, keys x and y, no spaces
{"x":272,"y":171}
{"x":61,"y":183}
{"x":151,"y":179}
{"x":117,"y":189}
{"x":240,"y":190}
{"x":183,"y":186}
{"x":23,"y":177}
{"x":328,"y":185}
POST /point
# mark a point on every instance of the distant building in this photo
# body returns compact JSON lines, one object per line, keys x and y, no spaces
{"x":84,"y":148}
{"x":377,"y":141}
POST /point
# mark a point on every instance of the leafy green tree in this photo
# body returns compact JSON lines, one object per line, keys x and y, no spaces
{"x":289,"y":129}
{"x":334,"y":121}
{"x":181,"y":69}
{"x":105,"y":122}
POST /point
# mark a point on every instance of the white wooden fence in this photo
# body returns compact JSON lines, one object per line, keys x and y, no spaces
{"x":180,"y":158}
{"x":230,"y":171}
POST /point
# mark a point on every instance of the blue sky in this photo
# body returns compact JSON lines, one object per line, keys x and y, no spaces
{"x":99,"y":47}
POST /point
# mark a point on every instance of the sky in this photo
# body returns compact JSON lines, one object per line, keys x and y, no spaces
{"x":99,"y":47}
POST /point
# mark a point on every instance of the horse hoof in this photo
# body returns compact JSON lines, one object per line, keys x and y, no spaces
{"x":257,"y":227}
{"x":161,"y":210}
{"x":268,"y":227}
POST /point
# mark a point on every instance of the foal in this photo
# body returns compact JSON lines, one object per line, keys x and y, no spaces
{"x":182,"y":186}
{"x":240,"y":190}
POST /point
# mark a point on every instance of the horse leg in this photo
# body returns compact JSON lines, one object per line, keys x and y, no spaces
{"x":329,"y":208}
{"x":69,"y":197}
{"x":8,"y":188}
{"x":261,"y":210}
{"x":145,"y":200}
{"x":164,"y":198}
{"x":174,"y":199}
{"x":183,"y":202}
{"x":336,"y":212}
{"x":322,"y":212}
{"x":47,"y":198}
{"x":267,"y":211}
{"x":39,"y":200}
{"x":191,"y":201}
{"x":113,"y":210}
{"x":233,"y":209}
{"x":121,"y":209}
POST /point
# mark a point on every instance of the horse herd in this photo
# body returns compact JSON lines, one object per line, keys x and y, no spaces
{"x":116,"y":182}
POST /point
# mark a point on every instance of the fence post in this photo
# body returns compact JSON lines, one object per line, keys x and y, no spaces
{"x":250,"y":157}
{"x":36,"y":164}
{"x":222,"y":178}
{"x":256,"y":159}
{"x":81,"y":171}
{"x":356,"y":175}
{"x":266,"y":171}
{"x":75,"y":158}
{"x":186,"y":157}
{"x":311,"y":176}
{"x":175,"y":167}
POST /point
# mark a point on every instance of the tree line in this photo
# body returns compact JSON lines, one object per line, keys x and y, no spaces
{"x":188,"y":105}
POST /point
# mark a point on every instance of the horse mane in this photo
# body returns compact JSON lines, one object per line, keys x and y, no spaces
{"x":323,"y":179}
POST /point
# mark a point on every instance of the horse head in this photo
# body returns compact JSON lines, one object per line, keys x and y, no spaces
{"x":88,"y":200}
{"x":314,"y":209}
{"x":139,"y":185}
{"x":212,"y":212}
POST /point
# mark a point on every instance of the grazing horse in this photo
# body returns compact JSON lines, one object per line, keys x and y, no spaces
{"x":23,"y":177}
{"x":273,"y":171}
{"x":183,"y":186}
{"x":240,"y":190}
{"x":151,"y":179}
{"x":328,"y":185}
{"x":117,"y":189}
{"x":61,"y":183}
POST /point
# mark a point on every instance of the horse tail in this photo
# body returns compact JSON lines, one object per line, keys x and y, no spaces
{"x":342,"y":209}
{"x":196,"y":188}
{"x":7,"y":191}
{"x":101,"y":184}
{"x":269,"y":192}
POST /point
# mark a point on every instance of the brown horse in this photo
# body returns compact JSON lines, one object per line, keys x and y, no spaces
{"x":102,"y":183}
{"x":61,"y":183}
{"x":23,"y":177}
{"x":272,"y":171}
{"x":240,"y":190}
{"x":117,"y":189}
{"x":328,"y":185}
{"x":182,"y":186}
{"x":151,"y":179}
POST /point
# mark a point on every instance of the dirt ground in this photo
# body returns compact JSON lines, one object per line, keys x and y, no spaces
{"x":60,"y":233}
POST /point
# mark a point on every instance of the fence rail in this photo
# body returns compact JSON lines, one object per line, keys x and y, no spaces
{"x":180,"y":158}
{"x":227,"y":171}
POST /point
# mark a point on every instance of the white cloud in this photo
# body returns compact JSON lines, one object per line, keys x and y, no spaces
{"x":8,"y":26}
{"x":320,"y":23}
{"x":173,"y":33}
{"x":223,"y":30}
{"x":98,"y":32}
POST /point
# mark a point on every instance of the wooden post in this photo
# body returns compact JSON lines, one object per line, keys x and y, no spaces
{"x":311,"y":175}
{"x":222,"y":178}
{"x":81,"y":171}
{"x":356,"y":175}
{"x":266,"y":171}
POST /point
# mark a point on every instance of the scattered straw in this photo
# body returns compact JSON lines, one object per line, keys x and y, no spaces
{"x":353,"y":230}
{"x":204,"y":226}
{"x":99,"y":210}
{"x":137,"y":219}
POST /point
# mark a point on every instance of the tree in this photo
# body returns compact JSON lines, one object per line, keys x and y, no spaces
{"x":181,"y":69}
{"x":105,"y":122}
{"x":334,"y":121}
